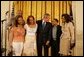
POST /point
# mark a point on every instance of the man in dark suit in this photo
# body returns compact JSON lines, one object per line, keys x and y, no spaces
{"x":43,"y":34}
{"x":56,"y":32}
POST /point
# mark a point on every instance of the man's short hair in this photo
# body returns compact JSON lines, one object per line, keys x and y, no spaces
{"x":47,"y":14}
{"x":55,"y":19}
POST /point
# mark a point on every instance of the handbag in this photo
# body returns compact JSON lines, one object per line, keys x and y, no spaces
{"x":10,"y":53}
{"x":72,"y":45}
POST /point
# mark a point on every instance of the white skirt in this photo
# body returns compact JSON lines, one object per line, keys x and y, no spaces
{"x":30,"y":46}
{"x":17,"y":48}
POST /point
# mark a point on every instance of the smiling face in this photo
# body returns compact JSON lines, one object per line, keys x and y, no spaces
{"x":54,"y":22}
{"x":46,"y":18}
{"x":63,"y":19}
{"x":31,"y":20}
{"x":20,"y":21}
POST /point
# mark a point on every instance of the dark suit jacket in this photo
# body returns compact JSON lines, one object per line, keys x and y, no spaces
{"x":43,"y":35}
{"x":58,"y":34}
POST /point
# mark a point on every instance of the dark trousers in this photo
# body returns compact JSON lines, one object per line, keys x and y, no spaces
{"x":55,"y":48}
{"x":39,"y":50}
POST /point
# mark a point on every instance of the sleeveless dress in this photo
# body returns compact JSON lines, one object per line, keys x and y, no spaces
{"x":18,"y":38}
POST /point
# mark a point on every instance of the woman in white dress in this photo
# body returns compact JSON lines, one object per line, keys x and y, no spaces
{"x":30,"y":38}
{"x":67,"y":36}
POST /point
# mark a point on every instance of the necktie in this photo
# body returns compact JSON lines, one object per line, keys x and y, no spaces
{"x":43,"y":25}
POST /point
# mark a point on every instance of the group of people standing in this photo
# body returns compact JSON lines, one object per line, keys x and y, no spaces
{"x":28,"y":38}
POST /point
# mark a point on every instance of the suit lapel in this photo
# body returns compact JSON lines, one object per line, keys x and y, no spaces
{"x":45,"y":26}
{"x":57,"y":30}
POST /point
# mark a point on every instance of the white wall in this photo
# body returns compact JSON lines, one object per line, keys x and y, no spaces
{"x":4,"y":9}
{"x":5,"y":6}
{"x":77,"y":7}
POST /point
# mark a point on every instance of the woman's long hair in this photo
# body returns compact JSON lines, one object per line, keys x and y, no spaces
{"x":16,"y":21}
{"x":28,"y":19}
{"x":67,"y":18}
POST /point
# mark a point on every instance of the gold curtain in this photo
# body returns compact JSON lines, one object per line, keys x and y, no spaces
{"x":39,"y":8}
